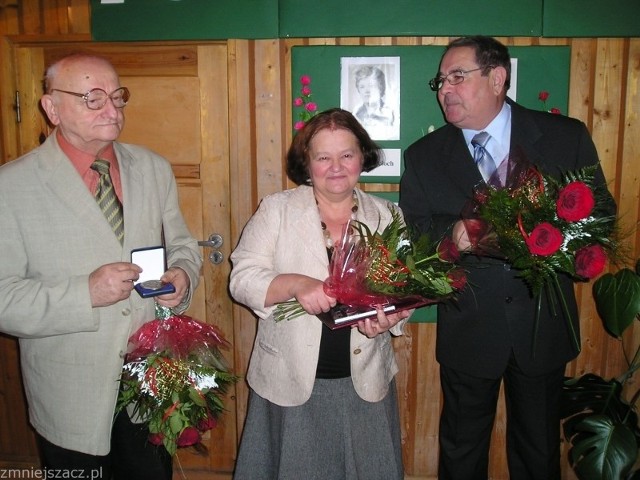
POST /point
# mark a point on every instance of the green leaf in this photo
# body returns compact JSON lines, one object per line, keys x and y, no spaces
{"x":590,"y":394}
{"x":617,"y":300}
{"x":170,"y":445}
{"x":175,"y":422}
{"x":197,"y":398}
{"x":607,"y":450}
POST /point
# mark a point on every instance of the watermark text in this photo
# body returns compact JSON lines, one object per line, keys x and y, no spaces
{"x":50,"y":473}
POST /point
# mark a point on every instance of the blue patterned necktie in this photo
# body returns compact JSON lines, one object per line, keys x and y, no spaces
{"x":483,"y":159}
{"x":107,"y":199}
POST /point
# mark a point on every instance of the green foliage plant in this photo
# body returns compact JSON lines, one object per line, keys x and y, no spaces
{"x":601,"y":426}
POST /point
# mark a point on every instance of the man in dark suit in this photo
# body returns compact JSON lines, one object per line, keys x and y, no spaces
{"x":487,"y":337}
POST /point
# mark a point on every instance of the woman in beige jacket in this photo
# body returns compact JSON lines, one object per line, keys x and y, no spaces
{"x":323,"y":402}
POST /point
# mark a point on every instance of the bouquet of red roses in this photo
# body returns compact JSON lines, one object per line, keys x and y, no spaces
{"x":369,"y":269}
{"x":174,"y":377}
{"x":545,"y":226}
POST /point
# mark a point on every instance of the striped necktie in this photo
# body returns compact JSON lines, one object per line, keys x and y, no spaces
{"x":483,"y":159}
{"x":107,"y":199}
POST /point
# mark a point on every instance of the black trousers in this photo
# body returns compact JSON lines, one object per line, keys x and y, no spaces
{"x":533,"y":424}
{"x":131,"y":456}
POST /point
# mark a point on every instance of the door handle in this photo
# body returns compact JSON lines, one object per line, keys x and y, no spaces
{"x":214,"y":242}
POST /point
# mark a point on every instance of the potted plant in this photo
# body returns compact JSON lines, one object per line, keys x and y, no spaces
{"x":601,"y":426}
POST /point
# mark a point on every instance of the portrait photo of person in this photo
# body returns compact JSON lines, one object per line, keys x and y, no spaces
{"x":370,"y":90}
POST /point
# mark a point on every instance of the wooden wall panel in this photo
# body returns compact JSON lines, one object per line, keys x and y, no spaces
{"x":629,"y":198}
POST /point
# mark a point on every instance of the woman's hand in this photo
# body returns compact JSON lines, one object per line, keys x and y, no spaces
{"x":382,"y":323}
{"x":308,"y":291}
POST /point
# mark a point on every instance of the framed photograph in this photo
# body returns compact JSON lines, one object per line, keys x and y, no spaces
{"x":370,"y":89}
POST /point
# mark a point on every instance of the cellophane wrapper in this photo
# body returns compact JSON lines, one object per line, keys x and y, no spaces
{"x":174,"y":378}
{"x":369,"y":269}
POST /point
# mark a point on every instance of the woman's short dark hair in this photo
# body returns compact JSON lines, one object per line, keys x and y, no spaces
{"x":489,"y":53}
{"x":333,"y":119}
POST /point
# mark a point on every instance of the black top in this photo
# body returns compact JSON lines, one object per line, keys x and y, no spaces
{"x":333,"y":359}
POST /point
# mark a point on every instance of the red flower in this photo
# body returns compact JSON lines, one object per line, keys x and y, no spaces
{"x":457,"y":279}
{"x":207,"y":423}
{"x":448,"y":251}
{"x":305,"y":79}
{"x":188,"y":436}
{"x":311,"y":107}
{"x":155,"y":438}
{"x":306,"y":91}
{"x":543,"y":95}
{"x":555,"y":111}
{"x":575,"y":202}
{"x":299,"y":125}
{"x":298,"y":102}
{"x":590,"y":261}
{"x":545,"y":239}
{"x":480,"y":196}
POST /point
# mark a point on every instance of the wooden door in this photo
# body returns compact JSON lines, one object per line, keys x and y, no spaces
{"x":178,"y":108}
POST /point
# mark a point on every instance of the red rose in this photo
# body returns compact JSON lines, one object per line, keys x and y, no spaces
{"x":448,"y":251}
{"x":575,"y":202}
{"x":188,"y":436}
{"x":545,"y":239}
{"x":555,"y":111}
{"x":543,"y":95}
{"x":155,"y":438}
{"x":207,"y":423}
{"x":457,"y":279}
{"x":590,"y":261}
{"x":481,"y":196}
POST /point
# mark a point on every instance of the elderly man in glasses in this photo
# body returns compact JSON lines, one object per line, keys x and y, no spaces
{"x":487,"y":338}
{"x":66,"y":276}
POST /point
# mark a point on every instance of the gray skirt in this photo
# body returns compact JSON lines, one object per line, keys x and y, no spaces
{"x":335,"y":435}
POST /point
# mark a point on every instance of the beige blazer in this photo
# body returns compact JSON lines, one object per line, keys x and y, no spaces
{"x":53,"y":236}
{"x":284,"y":236}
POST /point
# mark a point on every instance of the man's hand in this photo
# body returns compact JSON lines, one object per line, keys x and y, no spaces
{"x":460,"y":236}
{"x":112,"y":282}
{"x":179,"y":278}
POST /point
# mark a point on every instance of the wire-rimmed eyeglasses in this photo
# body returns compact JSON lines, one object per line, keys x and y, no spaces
{"x":96,"y":98}
{"x":454,"y":78}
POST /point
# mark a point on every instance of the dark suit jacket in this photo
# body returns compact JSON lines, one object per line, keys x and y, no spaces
{"x":496,"y":312}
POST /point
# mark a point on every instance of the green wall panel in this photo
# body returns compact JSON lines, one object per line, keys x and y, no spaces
{"x":139,"y":20}
{"x":338,"y":18}
{"x":591,"y":18}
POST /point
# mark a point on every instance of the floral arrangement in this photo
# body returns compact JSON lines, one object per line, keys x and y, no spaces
{"x":543,"y":96}
{"x":379,"y":268}
{"x":308,"y":108}
{"x":546,"y":227}
{"x":174,"y":378}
